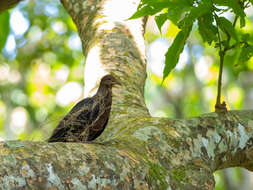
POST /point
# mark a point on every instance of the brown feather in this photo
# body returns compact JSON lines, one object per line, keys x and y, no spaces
{"x":88,"y":118}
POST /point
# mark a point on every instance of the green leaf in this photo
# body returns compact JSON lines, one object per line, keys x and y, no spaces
{"x":235,"y":6}
{"x":246,"y":53}
{"x":175,"y":9}
{"x":151,"y":7}
{"x":227,"y":27}
{"x":245,"y":37}
{"x":242,"y":22}
{"x":4,"y":28}
{"x":251,"y":1}
{"x":146,"y":10}
{"x":207,"y":30}
{"x":238,"y":10}
{"x":160,"y":20}
{"x":175,"y":13}
{"x":174,"y":51}
{"x":195,"y":12}
{"x":168,"y":3}
{"x":221,"y":2}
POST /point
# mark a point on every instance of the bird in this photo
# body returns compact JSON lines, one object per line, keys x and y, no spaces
{"x":89,"y":117}
{"x":7,"y":4}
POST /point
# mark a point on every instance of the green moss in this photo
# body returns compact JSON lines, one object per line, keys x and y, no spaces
{"x":158,"y":174}
{"x":179,"y":174}
{"x":13,"y":144}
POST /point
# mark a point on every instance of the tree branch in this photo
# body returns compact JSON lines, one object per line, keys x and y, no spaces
{"x":153,"y":153}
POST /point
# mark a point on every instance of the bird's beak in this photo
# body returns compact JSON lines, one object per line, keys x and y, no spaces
{"x":116,"y":82}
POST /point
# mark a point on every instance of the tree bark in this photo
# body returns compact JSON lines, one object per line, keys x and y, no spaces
{"x":139,"y":151}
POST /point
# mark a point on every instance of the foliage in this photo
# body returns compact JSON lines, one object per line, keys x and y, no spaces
{"x":43,"y":61}
{"x":5,"y":28}
{"x":184,"y":13}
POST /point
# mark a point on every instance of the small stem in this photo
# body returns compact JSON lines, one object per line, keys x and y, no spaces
{"x":229,"y":37}
{"x":234,"y":23}
{"x":221,"y":54}
{"x":218,"y":106}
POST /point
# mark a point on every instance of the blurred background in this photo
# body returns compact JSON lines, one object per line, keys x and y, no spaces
{"x":41,"y":76}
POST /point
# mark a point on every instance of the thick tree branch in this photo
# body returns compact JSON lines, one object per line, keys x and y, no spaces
{"x":153,"y":153}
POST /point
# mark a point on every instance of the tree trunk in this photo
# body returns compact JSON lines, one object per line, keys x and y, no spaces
{"x":139,"y":151}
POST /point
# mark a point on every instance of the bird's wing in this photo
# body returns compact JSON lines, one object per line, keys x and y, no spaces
{"x":99,"y":116}
{"x":96,"y":133}
{"x":75,"y":121}
{"x":59,"y":133}
{"x":87,"y":102}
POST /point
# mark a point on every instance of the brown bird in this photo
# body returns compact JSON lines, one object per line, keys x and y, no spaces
{"x":7,"y":4}
{"x":89,"y":117}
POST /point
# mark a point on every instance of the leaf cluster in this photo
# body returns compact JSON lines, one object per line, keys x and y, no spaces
{"x":5,"y":28}
{"x":214,"y":28}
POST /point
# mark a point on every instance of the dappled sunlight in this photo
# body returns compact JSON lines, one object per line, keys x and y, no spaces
{"x":74,"y":42}
{"x":61,"y":74}
{"x":18,"y":120}
{"x":183,"y":59}
{"x":35,"y":34}
{"x":41,"y":114}
{"x":70,"y":92}
{"x":59,"y":27}
{"x":210,"y":93}
{"x":4,"y":70}
{"x":19,"y":97}
{"x":93,"y":71}
{"x":18,"y":22}
{"x":155,"y":55}
{"x":37,"y":98}
{"x":51,"y":10}
{"x":114,"y":13}
{"x":235,"y":97}
{"x":202,"y":68}
{"x":8,"y":75}
{"x":249,"y":11}
{"x":10,"y":45}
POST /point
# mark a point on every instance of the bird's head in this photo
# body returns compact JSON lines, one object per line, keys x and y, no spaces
{"x":109,"y":81}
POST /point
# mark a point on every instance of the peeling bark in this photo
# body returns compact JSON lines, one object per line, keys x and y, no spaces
{"x":139,"y":151}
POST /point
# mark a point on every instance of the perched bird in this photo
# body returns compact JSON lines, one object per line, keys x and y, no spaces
{"x":7,"y":4}
{"x":88,"y":118}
